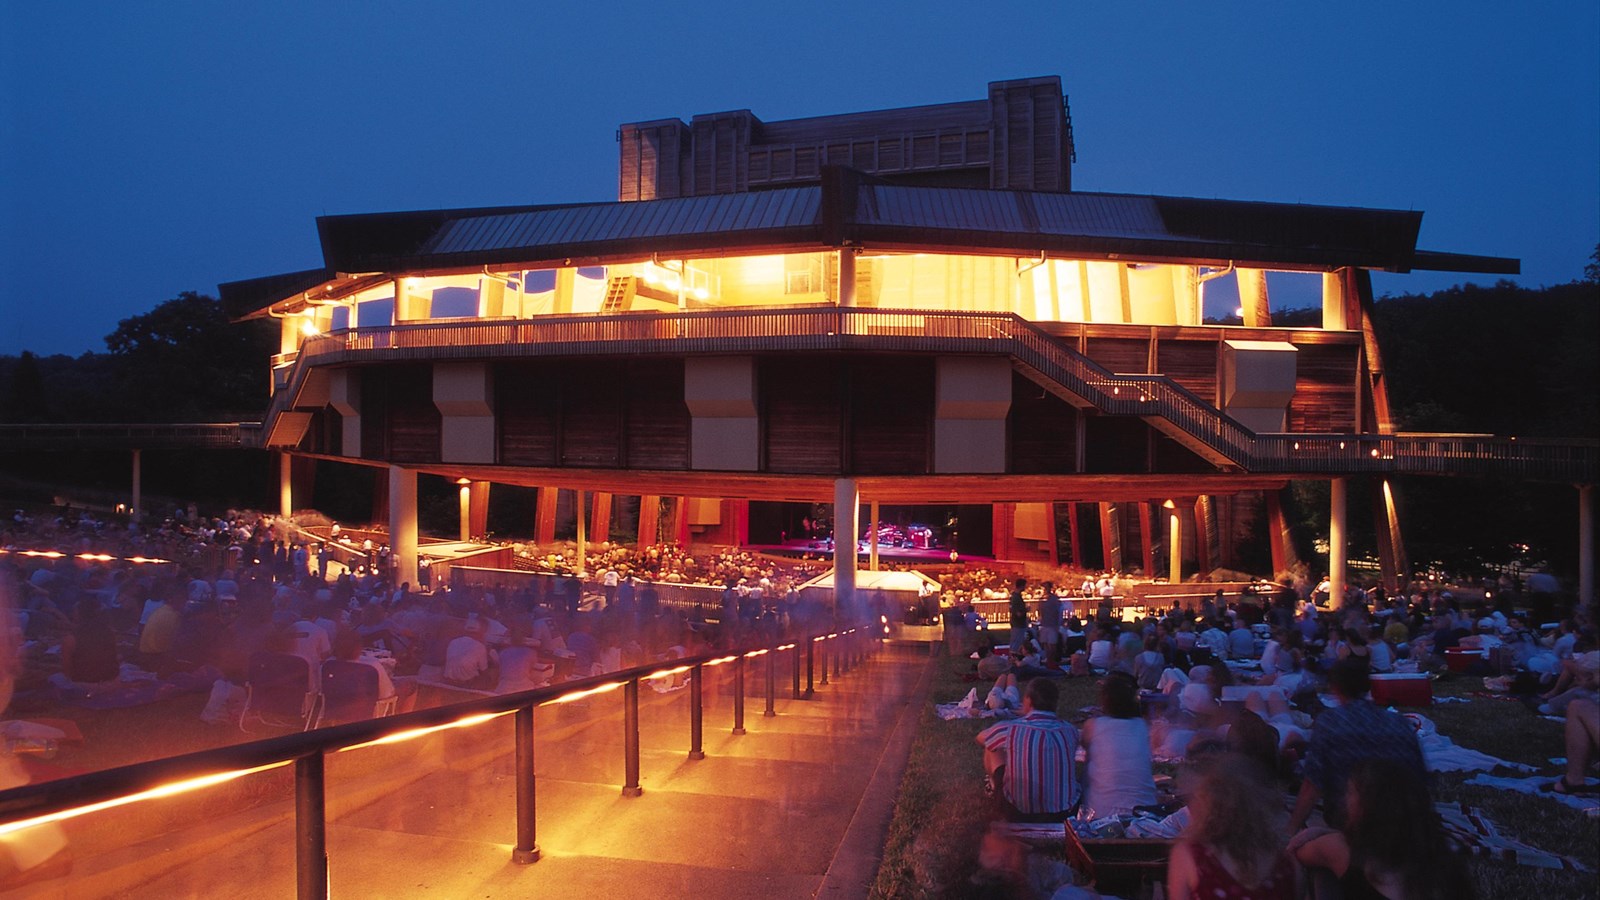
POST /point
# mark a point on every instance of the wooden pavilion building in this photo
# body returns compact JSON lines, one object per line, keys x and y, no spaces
{"x":907,"y":309}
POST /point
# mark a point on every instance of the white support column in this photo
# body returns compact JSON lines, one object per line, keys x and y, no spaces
{"x":138,"y":488}
{"x":846,"y":509}
{"x":403,"y":523}
{"x":466,"y":509}
{"x":285,"y":485}
{"x":847,"y":277}
{"x":1174,"y":543}
{"x":583,"y":530}
{"x":872,"y":540}
{"x":1586,"y":592}
{"x":1336,"y":540}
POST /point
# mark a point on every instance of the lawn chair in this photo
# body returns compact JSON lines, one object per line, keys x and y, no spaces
{"x":276,"y":693}
{"x":350,"y":694}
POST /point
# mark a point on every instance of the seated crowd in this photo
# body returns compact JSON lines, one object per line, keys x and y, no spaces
{"x":206,"y":596}
{"x":1298,"y":733}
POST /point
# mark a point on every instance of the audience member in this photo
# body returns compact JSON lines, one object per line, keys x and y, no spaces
{"x":1029,"y":760}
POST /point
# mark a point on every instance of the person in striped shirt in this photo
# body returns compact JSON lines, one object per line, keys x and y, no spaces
{"x":1030,"y":759}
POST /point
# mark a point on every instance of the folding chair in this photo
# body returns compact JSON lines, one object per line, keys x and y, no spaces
{"x":350,"y":694}
{"x":276,"y":693}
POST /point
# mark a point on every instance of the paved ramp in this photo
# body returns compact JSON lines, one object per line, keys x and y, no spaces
{"x":796,"y":807}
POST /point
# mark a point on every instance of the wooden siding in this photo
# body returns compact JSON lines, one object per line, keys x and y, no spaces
{"x":528,"y":413}
{"x":891,"y":415}
{"x":399,"y":422}
{"x":1043,"y":431}
{"x":802,"y":414}
{"x":657,"y":419}
{"x":591,"y":415}
{"x":1325,"y":389}
{"x":1192,"y":364}
{"x":1124,"y":355}
{"x":1115,"y":445}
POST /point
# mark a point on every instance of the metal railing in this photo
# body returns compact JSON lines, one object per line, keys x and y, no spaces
{"x":151,"y":436}
{"x":1156,"y":398}
{"x":49,"y":801}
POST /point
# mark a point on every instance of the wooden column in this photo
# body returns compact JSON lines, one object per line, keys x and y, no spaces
{"x":478,"y":508}
{"x":1278,"y":535}
{"x":649,"y":513}
{"x":1147,"y":539}
{"x":1075,"y":536}
{"x":544,"y":528}
{"x":600,"y":518}
{"x":1202,"y":537}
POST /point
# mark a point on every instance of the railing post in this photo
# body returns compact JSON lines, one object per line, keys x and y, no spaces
{"x":797,"y":670}
{"x":527,"y":849}
{"x":811,"y":664}
{"x":824,"y":645}
{"x":738,"y":695}
{"x":630,"y":726}
{"x":696,"y":712}
{"x":311,"y":829}
{"x":772,"y":682}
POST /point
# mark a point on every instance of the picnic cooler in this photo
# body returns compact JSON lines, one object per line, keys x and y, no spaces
{"x":1462,"y":660}
{"x":1127,"y":867}
{"x":1402,"y":690}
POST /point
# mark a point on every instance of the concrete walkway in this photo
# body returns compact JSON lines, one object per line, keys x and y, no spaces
{"x":796,"y":807}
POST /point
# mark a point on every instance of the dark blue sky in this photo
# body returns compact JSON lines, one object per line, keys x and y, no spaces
{"x":144,"y":152}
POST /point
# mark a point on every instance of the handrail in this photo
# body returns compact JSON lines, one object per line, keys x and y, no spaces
{"x":33,"y":803}
{"x":1155,"y":397}
{"x":132,"y":435}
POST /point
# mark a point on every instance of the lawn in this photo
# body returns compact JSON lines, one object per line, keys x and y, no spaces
{"x":940,"y":813}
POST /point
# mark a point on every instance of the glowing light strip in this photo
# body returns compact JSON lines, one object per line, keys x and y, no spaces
{"x":165,"y":790}
{"x":667,"y":673}
{"x":94,"y":557}
{"x":718,"y":662}
{"x":414,"y":733}
{"x":602,"y":689}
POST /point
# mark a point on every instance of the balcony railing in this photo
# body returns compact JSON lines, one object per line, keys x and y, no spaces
{"x":153,"y":436}
{"x":1155,"y":398}
{"x":53,"y":801}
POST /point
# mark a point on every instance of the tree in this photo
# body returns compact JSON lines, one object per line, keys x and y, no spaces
{"x":25,"y":395}
{"x":1591,"y":272}
{"x":184,"y":360}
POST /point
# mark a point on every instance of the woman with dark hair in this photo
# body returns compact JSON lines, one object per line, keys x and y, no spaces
{"x":1391,"y":846}
{"x":1118,"y":742}
{"x":1233,"y":847}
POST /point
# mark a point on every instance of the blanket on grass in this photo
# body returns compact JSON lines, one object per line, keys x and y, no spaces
{"x":1444,"y":755}
{"x":1588,"y":804}
{"x":1476,"y":835}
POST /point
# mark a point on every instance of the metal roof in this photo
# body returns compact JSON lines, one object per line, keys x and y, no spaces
{"x":849,"y":209}
{"x":603,"y":223}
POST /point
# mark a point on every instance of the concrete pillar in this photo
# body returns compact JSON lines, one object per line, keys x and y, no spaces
{"x":583,"y":531}
{"x":872,"y":540}
{"x":403,"y":523}
{"x":847,"y":277}
{"x":466,"y":509}
{"x":285,"y":485}
{"x":724,"y":430}
{"x":138,"y":488}
{"x":1337,"y":542}
{"x":846,"y":509}
{"x":1586,"y":592}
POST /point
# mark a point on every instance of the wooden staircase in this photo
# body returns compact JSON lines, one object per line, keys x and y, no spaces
{"x":620,"y":291}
